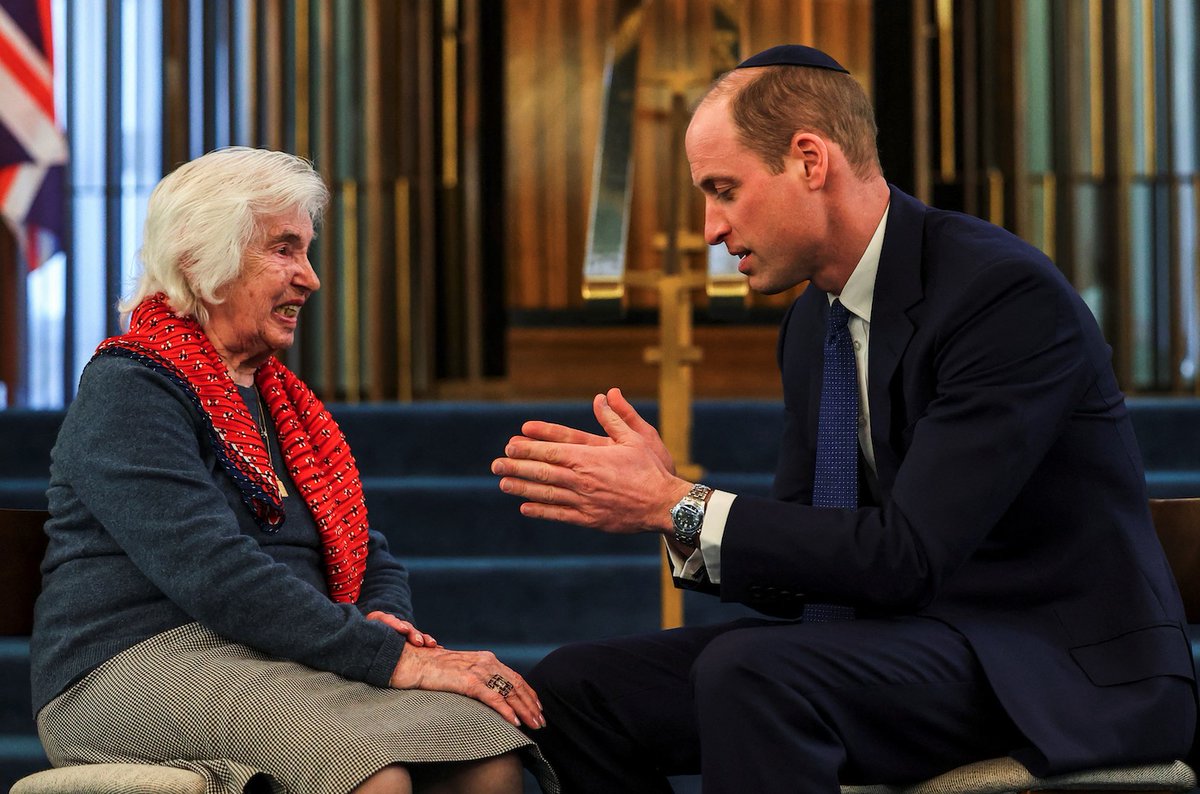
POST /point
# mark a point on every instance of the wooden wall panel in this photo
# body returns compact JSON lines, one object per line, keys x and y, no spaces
{"x":576,"y":363}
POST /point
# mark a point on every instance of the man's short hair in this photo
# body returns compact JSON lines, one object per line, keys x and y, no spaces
{"x":772,"y":103}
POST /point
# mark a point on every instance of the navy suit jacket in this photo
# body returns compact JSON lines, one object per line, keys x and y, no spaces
{"x":1012,"y":502}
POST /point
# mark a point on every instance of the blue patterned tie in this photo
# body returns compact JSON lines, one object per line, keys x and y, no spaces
{"x":835,"y":481}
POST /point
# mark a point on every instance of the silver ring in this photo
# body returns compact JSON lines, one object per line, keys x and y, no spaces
{"x":501,"y":685}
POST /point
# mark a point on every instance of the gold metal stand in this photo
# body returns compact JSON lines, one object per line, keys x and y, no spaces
{"x":606,"y":279}
{"x":675,"y":354}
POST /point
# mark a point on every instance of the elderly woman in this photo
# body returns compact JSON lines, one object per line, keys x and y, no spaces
{"x":214,"y":596}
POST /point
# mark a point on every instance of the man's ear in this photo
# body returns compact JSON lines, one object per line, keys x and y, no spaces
{"x":811,"y":154}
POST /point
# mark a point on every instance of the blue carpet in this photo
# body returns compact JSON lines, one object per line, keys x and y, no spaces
{"x":483,"y":575}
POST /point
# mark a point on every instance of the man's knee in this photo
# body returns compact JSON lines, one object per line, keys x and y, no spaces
{"x":770,"y":662}
{"x":734,"y":664}
{"x":564,"y":672}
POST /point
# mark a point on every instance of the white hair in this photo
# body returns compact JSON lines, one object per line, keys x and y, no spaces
{"x":202,"y":215}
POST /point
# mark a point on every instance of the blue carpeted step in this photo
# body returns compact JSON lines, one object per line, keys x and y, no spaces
{"x":26,"y":438}
{"x":15,"y":707}
{"x":1173,"y":484}
{"x":490,"y":601}
{"x":1168,"y":432}
{"x":470,"y":516}
{"x":519,"y":656}
{"x":447,"y":516}
{"x":485,"y":601}
{"x":20,"y":755}
{"x":464,"y":438}
{"x":483,"y":575}
{"x":461,"y":439}
{"x":26,"y":493}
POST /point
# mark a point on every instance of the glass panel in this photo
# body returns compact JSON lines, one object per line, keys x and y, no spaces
{"x":241,"y":64}
{"x":1137,"y":63}
{"x":196,"y":79}
{"x":45,"y":298}
{"x":1141,"y":299}
{"x":1088,"y":227}
{"x":66,"y":298}
{"x":45,"y":288}
{"x":1039,"y":116}
{"x":1189,"y":288}
{"x":1185,"y":66}
{"x":1184,"y":141}
{"x":1037,"y":213}
{"x":604,"y":261}
{"x":141,"y":127}
{"x":88,"y":92}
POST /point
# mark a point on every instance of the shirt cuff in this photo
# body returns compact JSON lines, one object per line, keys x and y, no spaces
{"x":708,"y":556}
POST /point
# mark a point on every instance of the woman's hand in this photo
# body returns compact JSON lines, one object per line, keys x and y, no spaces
{"x":476,"y":674}
{"x":417,"y":638}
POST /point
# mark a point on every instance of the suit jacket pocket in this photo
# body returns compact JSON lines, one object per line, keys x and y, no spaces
{"x":1137,"y":655}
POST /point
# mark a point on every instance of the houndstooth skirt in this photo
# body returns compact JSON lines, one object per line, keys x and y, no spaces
{"x":190,"y":699}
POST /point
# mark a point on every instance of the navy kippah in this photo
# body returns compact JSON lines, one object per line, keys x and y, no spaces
{"x":793,"y":55}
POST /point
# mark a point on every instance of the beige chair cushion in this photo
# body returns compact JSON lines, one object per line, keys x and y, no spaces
{"x":111,"y":779}
{"x":1006,"y":776}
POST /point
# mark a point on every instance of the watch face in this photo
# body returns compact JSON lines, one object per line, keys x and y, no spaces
{"x":687,"y":517}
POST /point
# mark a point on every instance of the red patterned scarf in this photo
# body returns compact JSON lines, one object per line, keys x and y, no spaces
{"x":314,"y":450}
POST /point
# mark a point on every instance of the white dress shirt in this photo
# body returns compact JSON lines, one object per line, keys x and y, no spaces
{"x":856,"y":296}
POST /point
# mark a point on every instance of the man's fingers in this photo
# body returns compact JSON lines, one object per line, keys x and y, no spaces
{"x":541,"y":493}
{"x":629,"y":415}
{"x":533,"y":463}
{"x":646,"y":431}
{"x":523,"y":448}
{"x":551,"y":512}
{"x":612,"y":422}
{"x":547,"y":431}
{"x":553,"y":452}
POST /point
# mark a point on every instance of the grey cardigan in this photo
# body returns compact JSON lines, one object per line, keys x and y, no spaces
{"x":148,"y":533}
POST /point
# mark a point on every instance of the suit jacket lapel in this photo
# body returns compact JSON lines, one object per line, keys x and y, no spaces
{"x":898,"y":291}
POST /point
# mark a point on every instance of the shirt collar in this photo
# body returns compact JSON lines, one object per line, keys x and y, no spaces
{"x":859,"y":291}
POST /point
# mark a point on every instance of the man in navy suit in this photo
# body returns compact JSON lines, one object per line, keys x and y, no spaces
{"x":998,"y":584}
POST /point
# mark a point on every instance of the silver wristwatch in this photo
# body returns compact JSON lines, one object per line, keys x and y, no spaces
{"x":688,"y":515}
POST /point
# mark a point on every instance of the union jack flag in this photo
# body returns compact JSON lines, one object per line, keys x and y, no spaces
{"x":32,"y":147}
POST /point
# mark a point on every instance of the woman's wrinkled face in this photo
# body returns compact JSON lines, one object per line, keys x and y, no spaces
{"x":261,"y":307}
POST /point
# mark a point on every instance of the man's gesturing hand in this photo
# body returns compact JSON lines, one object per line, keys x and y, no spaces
{"x":621,"y":482}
